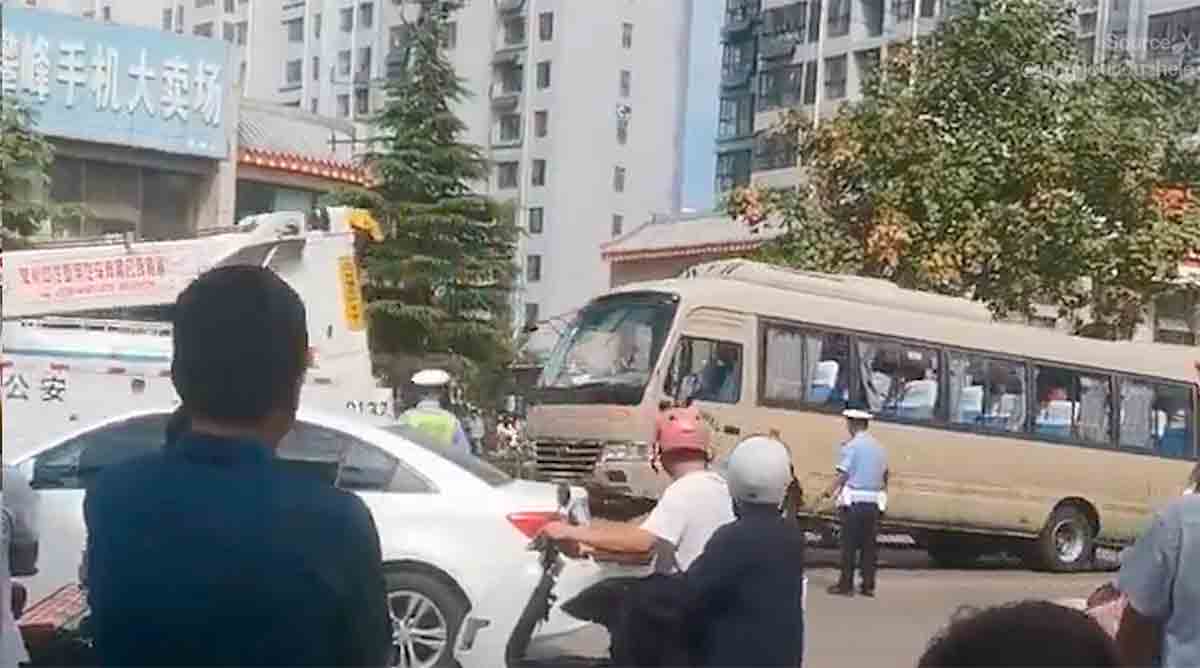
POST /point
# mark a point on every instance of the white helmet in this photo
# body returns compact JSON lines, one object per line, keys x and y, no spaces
{"x":431,"y":378}
{"x":759,"y":471}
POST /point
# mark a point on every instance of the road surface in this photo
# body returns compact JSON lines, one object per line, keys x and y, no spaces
{"x":914,"y":601}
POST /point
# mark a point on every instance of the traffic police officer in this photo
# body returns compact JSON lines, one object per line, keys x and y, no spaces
{"x":861,"y":490}
{"x":428,"y":416}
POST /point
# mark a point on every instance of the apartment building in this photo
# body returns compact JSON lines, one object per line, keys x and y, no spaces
{"x":789,"y":54}
{"x":126,"y":12}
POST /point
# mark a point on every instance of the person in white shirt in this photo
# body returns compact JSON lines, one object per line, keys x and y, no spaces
{"x":18,"y":556}
{"x":692,"y":508}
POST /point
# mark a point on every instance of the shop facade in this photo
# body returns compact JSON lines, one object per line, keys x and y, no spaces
{"x":142,"y":122}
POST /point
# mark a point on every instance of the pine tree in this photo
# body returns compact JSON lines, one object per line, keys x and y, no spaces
{"x":441,"y":281}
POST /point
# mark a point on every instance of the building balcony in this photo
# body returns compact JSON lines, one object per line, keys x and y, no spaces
{"x":737,"y":77}
{"x":740,"y":22}
{"x":740,"y":140}
{"x":509,"y":55}
{"x":510,"y":6}
{"x":505,"y":98}
{"x":778,"y":47}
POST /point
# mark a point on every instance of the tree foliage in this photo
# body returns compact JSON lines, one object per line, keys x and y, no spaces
{"x":441,"y":281}
{"x":25,"y":159}
{"x":987,"y":163}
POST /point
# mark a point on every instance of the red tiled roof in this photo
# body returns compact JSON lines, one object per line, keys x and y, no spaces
{"x":300,"y":164}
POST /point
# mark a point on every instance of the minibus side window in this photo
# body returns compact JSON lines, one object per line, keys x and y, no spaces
{"x":899,"y":379}
{"x":706,"y":369}
{"x":1071,"y":405}
{"x":987,"y":393}
{"x":1156,"y":418}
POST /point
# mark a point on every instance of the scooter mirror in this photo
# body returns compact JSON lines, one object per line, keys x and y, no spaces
{"x":564,"y":496}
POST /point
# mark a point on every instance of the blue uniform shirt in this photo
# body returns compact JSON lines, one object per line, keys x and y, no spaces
{"x":1158,"y":576}
{"x":864,"y":462}
{"x":207,"y":554}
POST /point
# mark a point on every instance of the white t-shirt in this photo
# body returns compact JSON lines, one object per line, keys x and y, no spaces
{"x":686,"y":516}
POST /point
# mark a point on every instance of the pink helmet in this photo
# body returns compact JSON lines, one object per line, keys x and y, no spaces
{"x":682,"y":429}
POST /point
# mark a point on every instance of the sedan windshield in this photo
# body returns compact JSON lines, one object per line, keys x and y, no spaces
{"x":610,"y":350}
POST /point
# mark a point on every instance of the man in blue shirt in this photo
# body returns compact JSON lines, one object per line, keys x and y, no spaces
{"x":861,"y":489}
{"x":207,"y":553}
{"x":1162,"y":620}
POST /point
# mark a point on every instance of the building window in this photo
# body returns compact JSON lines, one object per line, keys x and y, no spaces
{"x":733,"y":171}
{"x":507,"y":174}
{"x":835,"y":77}
{"x":736,"y":117}
{"x":243,"y":29}
{"x":626,"y":35}
{"x":928,"y":8}
{"x":205,"y":3}
{"x":317,"y":25}
{"x":362,"y":101}
{"x":242,"y":72}
{"x":737,"y":59}
{"x":903,"y":9}
{"x":867,"y":63}
{"x":543,"y":75}
{"x":510,"y":128}
{"x":780,"y":88}
{"x":229,"y":32}
{"x":294,"y":72}
{"x":366,"y":15}
{"x":344,"y":63}
{"x":872,"y":11}
{"x":316,"y":68}
{"x":512,"y":79}
{"x":619,"y":179}
{"x":514,"y":31}
{"x":106,"y":13}
{"x":546,"y":26}
{"x":450,"y":36}
{"x":343,"y":105}
{"x":364,"y":62}
{"x":531,"y":314}
{"x":775,"y":150}
{"x":541,"y":123}
{"x":537,"y":220}
{"x":314,"y":104}
{"x":168,"y":18}
{"x":346,"y":19}
{"x":539,"y":173}
{"x":810,"y":82}
{"x":839,"y":18}
{"x":533,"y":268}
{"x":625,"y":87}
{"x":230,"y":6}
{"x":623,"y":129}
{"x":618,"y":224}
{"x":295,"y":29}
{"x":203,"y":29}
{"x":179,"y":19}
{"x":1175,"y":318}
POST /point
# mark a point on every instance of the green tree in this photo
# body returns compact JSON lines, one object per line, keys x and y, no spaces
{"x":441,"y":281}
{"x":25,"y":159}
{"x":987,"y":164}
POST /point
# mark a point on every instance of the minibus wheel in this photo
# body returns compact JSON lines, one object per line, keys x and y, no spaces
{"x":1068,"y":541}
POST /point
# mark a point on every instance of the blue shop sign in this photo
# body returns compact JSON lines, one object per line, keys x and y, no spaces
{"x":114,"y":84}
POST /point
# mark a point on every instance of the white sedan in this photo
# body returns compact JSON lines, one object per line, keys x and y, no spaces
{"x":452,"y":527}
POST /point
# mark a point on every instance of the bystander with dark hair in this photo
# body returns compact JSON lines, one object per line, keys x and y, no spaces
{"x":206,"y":553}
{"x":1029,"y":634}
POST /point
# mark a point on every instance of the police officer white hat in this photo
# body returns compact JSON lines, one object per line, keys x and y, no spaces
{"x":856,"y":414}
{"x":759,"y":471}
{"x":431,"y":378}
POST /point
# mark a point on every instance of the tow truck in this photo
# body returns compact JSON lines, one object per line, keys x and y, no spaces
{"x":86,"y":324}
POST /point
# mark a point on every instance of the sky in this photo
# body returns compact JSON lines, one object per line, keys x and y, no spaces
{"x":700,"y":134}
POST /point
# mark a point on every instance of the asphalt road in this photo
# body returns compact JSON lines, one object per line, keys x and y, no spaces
{"x":915,"y":600}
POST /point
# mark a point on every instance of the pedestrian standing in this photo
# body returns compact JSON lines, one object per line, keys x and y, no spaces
{"x":206,"y":552}
{"x":1161,"y":621}
{"x":860,"y":487}
{"x":18,"y":557}
{"x":428,"y":416}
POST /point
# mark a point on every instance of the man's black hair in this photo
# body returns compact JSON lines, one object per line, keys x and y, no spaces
{"x":241,"y":344}
{"x":1029,"y":633}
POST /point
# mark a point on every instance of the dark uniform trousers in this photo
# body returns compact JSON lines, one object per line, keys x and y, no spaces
{"x":860,"y":530}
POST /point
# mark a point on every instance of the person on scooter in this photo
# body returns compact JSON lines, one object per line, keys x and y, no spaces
{"x":695,"y":505}
{"x":745,"y":593}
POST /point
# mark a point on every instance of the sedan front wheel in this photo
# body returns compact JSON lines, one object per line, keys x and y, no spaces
{"x":426,"y":615}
